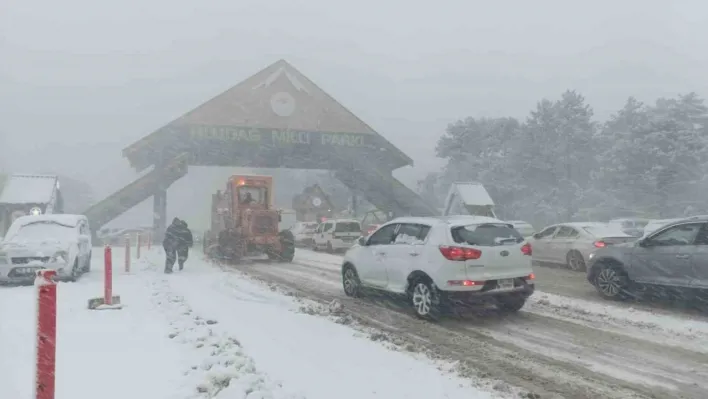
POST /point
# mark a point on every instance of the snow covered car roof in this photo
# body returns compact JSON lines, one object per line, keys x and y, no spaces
{"x":28,"y":189}
{"x":65,"y":219}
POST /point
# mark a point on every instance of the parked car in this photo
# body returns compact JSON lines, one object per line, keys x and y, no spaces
{"x":630,"y":226}
{"x":438,"y":262}
{"x":303,"y":232}
{"x":674,"y":256}
{"x":525,"y":228}
{"x":336,"y":234}
{"x":54,"y":241}
{"x":570,"y":244}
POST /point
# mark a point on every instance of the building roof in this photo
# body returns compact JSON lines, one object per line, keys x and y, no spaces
{"x":278,"y":97}
{"x":472,"y":193}
{"x":28,"y":189}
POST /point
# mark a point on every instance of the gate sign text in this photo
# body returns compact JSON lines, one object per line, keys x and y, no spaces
{"x":277,"y":137}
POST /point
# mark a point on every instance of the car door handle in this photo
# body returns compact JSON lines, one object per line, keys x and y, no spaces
{"x":381,"y":253}
{"x":413,"y":253}
{"x":682,"y":256}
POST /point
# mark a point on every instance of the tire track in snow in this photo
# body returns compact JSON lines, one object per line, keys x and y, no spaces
{"x":619,"y":355}
{"x":478,"y":353}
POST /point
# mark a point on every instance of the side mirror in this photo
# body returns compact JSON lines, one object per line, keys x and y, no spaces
{"x":644,"y":243}
{"x":362,"y":241}
{"x":535,"y":235}
{"x":280,"y":218}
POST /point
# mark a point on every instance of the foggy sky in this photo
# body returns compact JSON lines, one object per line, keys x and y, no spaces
{"x":80,"y":79}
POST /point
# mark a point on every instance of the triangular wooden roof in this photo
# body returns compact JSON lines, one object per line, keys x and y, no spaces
{"x":310,"y":192}
{"x":277,"y":97}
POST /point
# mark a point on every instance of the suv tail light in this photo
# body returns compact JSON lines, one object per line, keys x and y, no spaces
{"x":526,"y":249}
{"x":459,"y":253}
{"x":599,"y":244}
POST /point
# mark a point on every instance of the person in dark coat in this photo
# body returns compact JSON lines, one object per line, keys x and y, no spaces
{"x":186,"y":241}
{"x":177,"y":241}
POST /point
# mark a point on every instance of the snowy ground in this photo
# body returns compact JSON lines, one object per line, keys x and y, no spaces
{"x":557,"y":346}
{"x":205,"y":333}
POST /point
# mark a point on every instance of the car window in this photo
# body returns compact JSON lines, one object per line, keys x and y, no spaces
{"x":327,"y":227}
{"x":564,"y":232}
{"x":347,"y":227}
{"x":487,"y":235}
{"x":684,"y":234}
{"x":573,"y":233}
{"x":384,"y":236}
{"x":547,"y":233}
{"x":410,"y":233}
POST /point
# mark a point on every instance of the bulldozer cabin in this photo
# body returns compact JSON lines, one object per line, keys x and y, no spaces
{"x":244,"y":223}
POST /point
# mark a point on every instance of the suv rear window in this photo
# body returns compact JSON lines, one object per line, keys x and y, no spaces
{"x":347,"y":227}
{"x":486,"y":235}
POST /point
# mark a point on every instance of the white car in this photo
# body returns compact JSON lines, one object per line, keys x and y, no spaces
{"x":438,"y":262}
{"x":336,"y":234}
{"x":54,"y":241}
{"x":303,"y":232}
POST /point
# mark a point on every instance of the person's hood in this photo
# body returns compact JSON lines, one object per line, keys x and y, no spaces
{"x":176,"y":222}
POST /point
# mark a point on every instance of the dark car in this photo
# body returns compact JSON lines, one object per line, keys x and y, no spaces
{"x":674,"y":256}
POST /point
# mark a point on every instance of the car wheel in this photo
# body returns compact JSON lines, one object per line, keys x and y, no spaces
{"x":87,"y":266}
{"x":75,"y":271}
{"x":424,"y":300}
{"x":575,"y":261}
{"x":510,"y":303}
{"x":612,"y":282}
{"x":314,"y":246}
{"x":351,"y":282}
{"x":329,"y":247}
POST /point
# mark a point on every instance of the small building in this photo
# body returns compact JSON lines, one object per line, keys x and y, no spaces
{"x":29,"y":195}
{"x":313,"y":205}
{"x":469,"y":198}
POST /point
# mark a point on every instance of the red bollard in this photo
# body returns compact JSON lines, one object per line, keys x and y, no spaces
{"x":108,"y":276}
{"x":46,"y":334}
{"x":127,"y":254}
{"x":137,"y":250}
{"x":108,"y":301}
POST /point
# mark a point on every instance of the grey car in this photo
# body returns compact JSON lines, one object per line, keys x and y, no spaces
{"x":673,"y":256}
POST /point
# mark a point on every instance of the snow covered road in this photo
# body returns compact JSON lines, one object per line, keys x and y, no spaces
{"x":557,"y":345}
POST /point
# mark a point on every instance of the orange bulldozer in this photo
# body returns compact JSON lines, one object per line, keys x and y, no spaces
{"x":244,"y":223}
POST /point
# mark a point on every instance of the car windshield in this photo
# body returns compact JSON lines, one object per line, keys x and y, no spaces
{"x":41,"y":231}
{"x":488,"y":234}
{"x":347,"y":227}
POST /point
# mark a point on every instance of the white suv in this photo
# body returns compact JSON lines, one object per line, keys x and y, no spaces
{"x":437,"y":263}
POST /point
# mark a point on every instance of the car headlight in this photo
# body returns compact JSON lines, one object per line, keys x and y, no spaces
{"x":59,"y":257}
{"x":592,"y":255}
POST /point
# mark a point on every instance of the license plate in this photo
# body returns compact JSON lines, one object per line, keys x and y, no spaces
{"x":506,"y":283}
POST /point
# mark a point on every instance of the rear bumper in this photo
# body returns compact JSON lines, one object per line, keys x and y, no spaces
{"x":489,"y":293}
